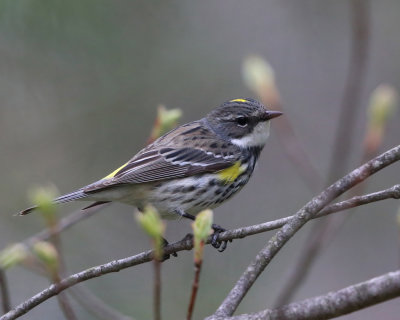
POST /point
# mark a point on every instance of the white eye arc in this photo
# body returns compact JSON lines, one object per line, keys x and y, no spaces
{"x":242,"y":121}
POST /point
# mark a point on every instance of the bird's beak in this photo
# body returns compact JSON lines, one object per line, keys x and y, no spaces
{"x":268,"y":115}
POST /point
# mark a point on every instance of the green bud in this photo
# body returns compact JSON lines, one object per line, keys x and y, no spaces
{"x":151,"y":223}
{"x":166,"y":120}
{"x":202,"y":228}
{"x":257,"y":73}
{"x":46,"y":253}
{"x":13,"y":255}
{"x":43,"y":198}
{"x":383,"y":103}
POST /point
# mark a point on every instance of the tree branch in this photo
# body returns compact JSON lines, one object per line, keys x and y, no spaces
{"x":332,"y":304}
{"x":264,"y":257}
{"x":65,"y":223}
{"x":360,"y":24}
{"x":393,"y":192}
{"x":113,"y":266}
{"x":390,"y":193}
{"x":187,"y":244}
{"x":342,"y":144}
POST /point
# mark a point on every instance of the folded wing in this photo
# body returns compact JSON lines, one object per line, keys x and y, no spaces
{"x":165,"y":163}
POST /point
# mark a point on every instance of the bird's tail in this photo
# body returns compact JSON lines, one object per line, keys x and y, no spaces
{"x":76,"y":195}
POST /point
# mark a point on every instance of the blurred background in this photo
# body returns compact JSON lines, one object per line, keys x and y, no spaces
{"x":80,"y":82}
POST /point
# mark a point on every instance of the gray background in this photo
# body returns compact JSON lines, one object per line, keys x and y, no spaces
{"x":79,"y":86}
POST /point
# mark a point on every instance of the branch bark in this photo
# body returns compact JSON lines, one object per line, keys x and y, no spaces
{"x":264,"y":257}
{"x":187,"y":244}
{"x":332,"y":304}
{"x":341,"y":186}
{"x":342,"y":144}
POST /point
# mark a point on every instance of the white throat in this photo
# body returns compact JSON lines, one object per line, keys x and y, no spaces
{"x":257,"y":138}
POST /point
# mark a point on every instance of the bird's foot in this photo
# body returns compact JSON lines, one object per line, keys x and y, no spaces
{"x":219,"y":245}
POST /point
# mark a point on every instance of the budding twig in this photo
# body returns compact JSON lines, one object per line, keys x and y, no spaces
{"x":151,"y":223}
{"x":201,"y":230}
{"x":374,"y":165}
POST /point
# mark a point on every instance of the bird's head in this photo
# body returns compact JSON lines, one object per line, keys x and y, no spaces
{"x":244,"y":122}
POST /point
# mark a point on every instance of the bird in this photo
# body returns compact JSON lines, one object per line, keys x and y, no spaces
{"x":193,"y":167}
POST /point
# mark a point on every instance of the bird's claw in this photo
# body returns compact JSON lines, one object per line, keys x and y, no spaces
{"x":219,"y":245}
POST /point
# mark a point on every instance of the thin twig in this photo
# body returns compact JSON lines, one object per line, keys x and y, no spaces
{"x":5,"y":295}
{"x":65,"y":223}
{"x":144,"y":257}
{"x":53,"y":234}
{"x":360,"y":21}
{"x":332,"y":304}
{"x":115,"y":266}
{"x":63,"y":301}
{"x":157,"y":289}
{"x":83,"y":296}
{"x":80,"y":215}
{"x":306,"y":213}
{"x":55,"y":238}
{"x":343,"y":142}
{"x":66,"y":307}
{"x":390,"y":193}
{"x":187,"y":244}
{"x":94,"y":305}
{"x":195,"y":287}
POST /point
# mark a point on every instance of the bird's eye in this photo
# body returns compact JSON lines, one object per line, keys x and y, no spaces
{"x":242,"y":121}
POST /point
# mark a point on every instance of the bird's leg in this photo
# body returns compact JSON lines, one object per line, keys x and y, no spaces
{"x":183,"y":214}
{"x":220,"y":245}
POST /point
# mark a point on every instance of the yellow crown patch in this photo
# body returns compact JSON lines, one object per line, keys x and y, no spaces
{"x":238,"y":100}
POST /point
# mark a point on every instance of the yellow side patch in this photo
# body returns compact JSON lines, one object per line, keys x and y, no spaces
{"x":239,"y":100}
{"x":230,"y":174}
{"x":112,"y":174}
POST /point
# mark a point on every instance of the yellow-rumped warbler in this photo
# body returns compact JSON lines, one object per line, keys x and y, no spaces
{"x":196,"y":166}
